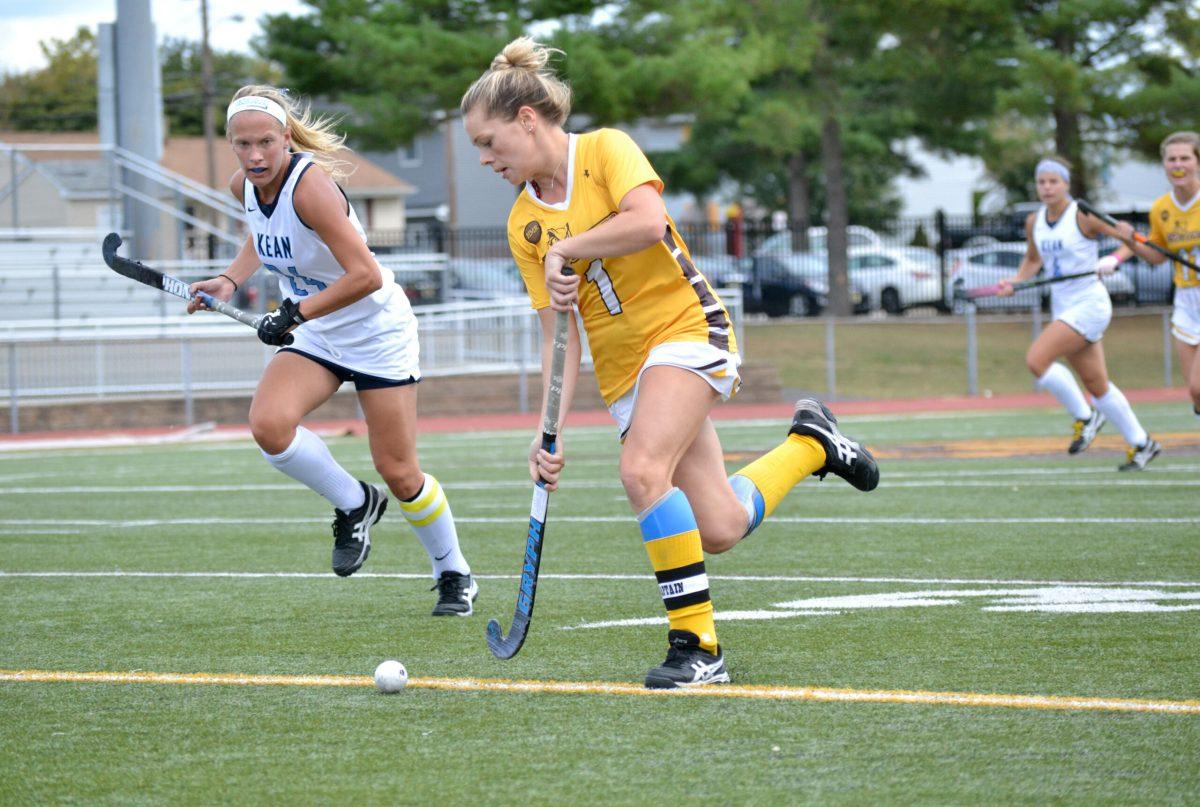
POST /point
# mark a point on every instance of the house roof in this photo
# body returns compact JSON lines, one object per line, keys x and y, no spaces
{"x":186,"y":156}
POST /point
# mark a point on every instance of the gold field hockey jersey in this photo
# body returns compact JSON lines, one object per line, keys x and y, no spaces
{"x":630,"y":303}
{"x":1178,"y":230}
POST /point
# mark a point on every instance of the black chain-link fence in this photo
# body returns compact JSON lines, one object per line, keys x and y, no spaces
{"x":906,"y":264}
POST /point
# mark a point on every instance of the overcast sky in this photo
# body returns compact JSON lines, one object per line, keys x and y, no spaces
{"x":23,"y":24}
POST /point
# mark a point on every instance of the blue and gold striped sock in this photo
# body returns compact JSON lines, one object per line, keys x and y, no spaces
{"x":673,"y":543}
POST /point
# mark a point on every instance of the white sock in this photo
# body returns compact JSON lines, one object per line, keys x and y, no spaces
{"x":307,"y":460}
{"x":1116,"y":408}
{"x":428,"y":513}
{"x":1059,"y":382}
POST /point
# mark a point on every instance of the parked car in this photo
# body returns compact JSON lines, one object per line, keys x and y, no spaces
{"x":988,"y":264}
{"x":1005,"y":226}
{"x":782,"y":281}
{"x":896,"y":278}
{"x":485,"y":278}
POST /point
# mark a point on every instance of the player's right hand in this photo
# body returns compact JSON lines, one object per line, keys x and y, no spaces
{"x":546,"y":466}
{"x":217,"y":287}
{"x":1006,"y":287}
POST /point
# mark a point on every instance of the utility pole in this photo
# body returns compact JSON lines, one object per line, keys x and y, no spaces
{"x":207,"y":92}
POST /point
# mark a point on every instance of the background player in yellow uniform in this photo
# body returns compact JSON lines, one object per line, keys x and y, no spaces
{"x":661,"y":342}
{"x":1175,"y":224}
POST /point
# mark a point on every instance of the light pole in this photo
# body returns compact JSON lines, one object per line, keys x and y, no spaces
{"x":210,"y":129}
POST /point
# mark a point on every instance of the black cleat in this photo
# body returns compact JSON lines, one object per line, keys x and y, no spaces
{"x":687,"y":664}
{"x":843,"y":456}
{"x":1086,"y":431}
{"x":456,"y":594}
{"x":1138,"y":458}
{"x":351,"y":531}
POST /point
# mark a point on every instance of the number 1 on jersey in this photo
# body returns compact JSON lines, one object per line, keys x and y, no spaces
{"x":598,"y":275}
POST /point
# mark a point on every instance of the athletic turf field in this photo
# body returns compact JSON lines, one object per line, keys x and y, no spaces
{"x":997,"y":622}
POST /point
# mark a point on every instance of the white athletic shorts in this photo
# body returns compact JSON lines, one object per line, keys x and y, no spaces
{"x":1185,"y":319}
{"x":1088,"y":312}
{"x":718,"y":367}
{"x":383,"y":344}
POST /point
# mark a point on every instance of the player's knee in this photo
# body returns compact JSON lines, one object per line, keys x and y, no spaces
{"x":1036,"y":364}
{"x":714,"y":542}
{"x":642,"y":478}
{"x":403,"y":477}
{"x":272,"y":434}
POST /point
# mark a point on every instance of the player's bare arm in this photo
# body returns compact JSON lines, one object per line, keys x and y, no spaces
{"x":1030,"y":263}
{"x":321,"y":205}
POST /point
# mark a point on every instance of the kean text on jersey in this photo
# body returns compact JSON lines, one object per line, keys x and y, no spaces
{"x":273,"y":246}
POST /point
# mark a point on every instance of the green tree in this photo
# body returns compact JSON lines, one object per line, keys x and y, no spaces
{"x":183,"y":86}
{"x":58,"y":97}
{"x":395,"y":68}
{"x":1094,"y":73}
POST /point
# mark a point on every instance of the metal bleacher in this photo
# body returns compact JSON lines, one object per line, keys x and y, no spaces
{"x":67,"y":279}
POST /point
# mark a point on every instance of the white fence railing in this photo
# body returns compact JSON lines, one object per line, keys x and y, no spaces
{"x":71,"y":360}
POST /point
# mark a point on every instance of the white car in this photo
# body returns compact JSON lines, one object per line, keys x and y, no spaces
{"x":988,"y":264}
{"x":896,"y":278}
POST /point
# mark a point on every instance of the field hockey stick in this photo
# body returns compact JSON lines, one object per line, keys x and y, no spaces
{"x":994,"y":289}
{"x":505,"y":647}
{"x":1141,"y":239}
{"x":135,"y":270}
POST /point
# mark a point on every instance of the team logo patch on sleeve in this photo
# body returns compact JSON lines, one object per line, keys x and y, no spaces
{"x":533,"y":232}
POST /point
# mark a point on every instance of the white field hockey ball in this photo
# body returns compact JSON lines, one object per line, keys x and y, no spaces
{"x":390,"y":676}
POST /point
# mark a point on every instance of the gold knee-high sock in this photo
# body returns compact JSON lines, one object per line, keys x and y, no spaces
{"x":779,"y":470}
{"x":673,"y":544}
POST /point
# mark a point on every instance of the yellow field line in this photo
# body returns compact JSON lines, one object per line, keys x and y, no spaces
{"x":821,"y":694}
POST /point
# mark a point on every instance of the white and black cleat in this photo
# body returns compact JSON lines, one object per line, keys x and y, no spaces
{"x":456,"y":594}
{"x":351,"y":531}
{"x":687,"y":664}
{"x":1086,"y":431}
{"x":843,"y":456}
{"x":1138,"y":458}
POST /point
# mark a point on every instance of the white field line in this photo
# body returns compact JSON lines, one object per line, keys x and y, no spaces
{"x":603,"y":576}
{"x":613,"y":484}
{"x":729,"y":691}
{"x":775,"y":519}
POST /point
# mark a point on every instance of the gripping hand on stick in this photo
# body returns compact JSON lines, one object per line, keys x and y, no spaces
{"x":274,"y":327}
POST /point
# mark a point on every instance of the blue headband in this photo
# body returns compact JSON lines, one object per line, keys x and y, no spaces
{"x":1054,"y":167}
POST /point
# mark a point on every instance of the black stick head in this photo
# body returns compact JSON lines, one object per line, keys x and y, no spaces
{"x":960,"y":291}
{"x":111,"y":242}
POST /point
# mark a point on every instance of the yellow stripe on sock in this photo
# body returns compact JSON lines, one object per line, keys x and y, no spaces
{"x":783,"y":467}
{"x":429,"y":519}
{"x":433,"y":489}
{"x":675,"y":551}
{"x":698,"y":619}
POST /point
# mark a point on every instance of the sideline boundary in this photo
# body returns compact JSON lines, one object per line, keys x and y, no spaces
{"x":733,"y":691}
{"x":529,"y":420}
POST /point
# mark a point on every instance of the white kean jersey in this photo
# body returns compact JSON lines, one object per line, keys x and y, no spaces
{"x":375,"y":335}
{"x":1066,"y":251}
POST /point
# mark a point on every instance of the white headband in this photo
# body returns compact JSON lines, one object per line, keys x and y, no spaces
{"x":1054,"y":167}
{"x":257,"y":103}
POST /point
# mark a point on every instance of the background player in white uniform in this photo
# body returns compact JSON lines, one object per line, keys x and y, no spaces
{"x":1062,"y":239}
{"x":350,"y":322}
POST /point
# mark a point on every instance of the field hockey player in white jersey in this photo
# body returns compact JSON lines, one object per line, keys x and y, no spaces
{"x":349,"y":321}
{"x":1062,"y":239}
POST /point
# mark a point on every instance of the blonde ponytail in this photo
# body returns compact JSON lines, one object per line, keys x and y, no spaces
{"x":520,"y":76}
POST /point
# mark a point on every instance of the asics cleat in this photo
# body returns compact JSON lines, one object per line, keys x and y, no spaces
{"x":1138,"y":458}
{"x":351,"y":531}
{"x":1086,"y":431}
{"x":456,"y":594}
{"x":843,"y":456}
{"x":687,"y":664}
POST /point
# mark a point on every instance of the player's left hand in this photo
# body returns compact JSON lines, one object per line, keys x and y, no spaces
{"x":561,"y":283}
{"x":274,"y":327}
{"x":546,"y":466}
